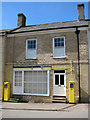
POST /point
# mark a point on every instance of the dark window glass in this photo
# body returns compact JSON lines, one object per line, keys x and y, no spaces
{"x":28,"y":46}
{"x":31,"y":44}
{"x":34,"y":42}
{"x":62,"y":39}
{"x":59,"y":42}
{"x":61,"y":79}
{"x":34,"y":46}
{"x":59,"y":71}
{"x":55,"y":40}
{"x":62,"y":44}
{"x":56,"y":44}
{"x":56,"y":79}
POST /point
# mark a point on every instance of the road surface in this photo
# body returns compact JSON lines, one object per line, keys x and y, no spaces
{"x":8,"y":113}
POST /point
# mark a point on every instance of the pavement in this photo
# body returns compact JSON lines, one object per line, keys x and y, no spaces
{"x":45,"y":107}
{"x":43,"y":110}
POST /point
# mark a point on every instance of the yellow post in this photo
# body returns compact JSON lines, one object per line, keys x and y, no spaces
{"x":8,"y":70}
{"x":71,"y":92}
{"x":6,"y":91}
{"x":71,"y":67}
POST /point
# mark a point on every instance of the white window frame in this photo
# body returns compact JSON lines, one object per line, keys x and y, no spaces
{"x":19,"y":82}
{"x":36,"y":69}
{"x":54,"y":47}
{"x":27,"y":48}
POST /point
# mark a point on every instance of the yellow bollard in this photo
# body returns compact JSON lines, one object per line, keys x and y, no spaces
{"x":71,"y":92}
{"x":6,"y":91}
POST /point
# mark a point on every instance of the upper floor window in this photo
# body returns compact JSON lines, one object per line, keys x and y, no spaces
{"x":31,"y":49}
{"x":59,"y":47}
{"x":31,"y":44}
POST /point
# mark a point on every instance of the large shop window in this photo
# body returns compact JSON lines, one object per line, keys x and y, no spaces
{"x":31,"y":49}
{"x":31,"y":82}
{"x":59,"y":47}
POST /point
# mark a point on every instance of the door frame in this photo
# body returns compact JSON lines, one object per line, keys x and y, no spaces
{"x":59,"y":81}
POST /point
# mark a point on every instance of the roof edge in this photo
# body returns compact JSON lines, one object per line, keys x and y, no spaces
{"x":49,"y":29}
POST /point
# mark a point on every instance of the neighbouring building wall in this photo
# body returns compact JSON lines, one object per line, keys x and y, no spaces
{"x":89,"y":61}
{"x":2,"y":62}
{"x":84,"y":82}
{"x":0,"y":67}
{"x":84,"y":65}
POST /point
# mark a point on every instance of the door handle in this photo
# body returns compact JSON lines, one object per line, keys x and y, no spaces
{"x":59,"y":85}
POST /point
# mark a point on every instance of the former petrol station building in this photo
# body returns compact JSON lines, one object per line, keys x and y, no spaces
{"x":40,"y":60}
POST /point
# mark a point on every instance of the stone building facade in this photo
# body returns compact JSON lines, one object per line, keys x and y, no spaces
{"x":40,"y":60}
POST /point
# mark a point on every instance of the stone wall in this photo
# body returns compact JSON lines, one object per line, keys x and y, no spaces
{"x":16,"y":56}
{"x":16,"y":48}
{"x":2,"y":63}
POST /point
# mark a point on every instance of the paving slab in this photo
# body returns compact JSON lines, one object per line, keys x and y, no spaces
{"x":46,"y":106}
{"x":78,"y":108}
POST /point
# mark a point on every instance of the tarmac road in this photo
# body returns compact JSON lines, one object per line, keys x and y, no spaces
{"x":38,"y":110}
{"x":7,"y":113}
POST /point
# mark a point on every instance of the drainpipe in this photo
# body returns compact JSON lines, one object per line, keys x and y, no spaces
{"x":77,"y":33}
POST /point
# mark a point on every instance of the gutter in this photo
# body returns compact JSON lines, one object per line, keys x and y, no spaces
{"x":10,"y":32}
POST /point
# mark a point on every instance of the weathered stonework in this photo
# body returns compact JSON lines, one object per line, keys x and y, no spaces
{"x":2,"y":63}
{"x":16,"y":56}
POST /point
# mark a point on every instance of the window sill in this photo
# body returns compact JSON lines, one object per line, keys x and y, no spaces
{"x":60,"y":57}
